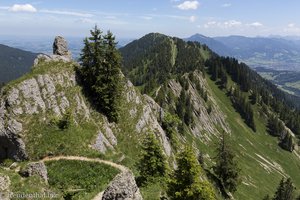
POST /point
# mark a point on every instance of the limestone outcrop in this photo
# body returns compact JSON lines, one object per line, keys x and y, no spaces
{"x":60,"y":52}
{"x":123,"y":186}
{"x":60,"y":47}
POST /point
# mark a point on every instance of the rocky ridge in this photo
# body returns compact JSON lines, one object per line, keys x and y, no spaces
{"x":55,"y":91}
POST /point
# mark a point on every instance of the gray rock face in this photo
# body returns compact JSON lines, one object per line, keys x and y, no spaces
{"x":123,"y":186}
{"x":38,"y":95}
{"x":205,"y":123}
{"x":47,"y":58}
{"x":37,"y":168}
{"x":60,"y":47}
{"x":106,"y":138}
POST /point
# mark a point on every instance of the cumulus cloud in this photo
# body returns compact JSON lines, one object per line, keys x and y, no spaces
{"x":59,"y":12}
{"x":256,"y":24}
{"x":188,"y":5}
{"x":22,"y":8}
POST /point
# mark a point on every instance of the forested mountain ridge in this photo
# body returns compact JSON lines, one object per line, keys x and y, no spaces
{"x":234,"y":86}
{"x":14,"y":63}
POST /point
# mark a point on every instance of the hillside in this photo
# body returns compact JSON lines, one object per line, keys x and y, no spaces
{"x":276,"y":54}
{"x":262,"y":161}
{"x":48,"y":123}
{"x":14,"y":63}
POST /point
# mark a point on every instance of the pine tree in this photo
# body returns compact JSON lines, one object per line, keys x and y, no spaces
{"x":287,"y":142}
{"x":180,"y":106}
{"x":100,"y":72}
{"x":186,"y":180}
{"x":226,"y":167}
{"x":152,"y":161}
{"x":285,"y":190}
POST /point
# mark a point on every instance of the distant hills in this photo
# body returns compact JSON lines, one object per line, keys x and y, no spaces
{"x":269,"y":52}
{"x":275,"y":58}
{"x":14,"y":62}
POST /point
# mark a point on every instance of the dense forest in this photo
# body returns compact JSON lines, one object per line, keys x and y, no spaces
{"x":262,"y":91}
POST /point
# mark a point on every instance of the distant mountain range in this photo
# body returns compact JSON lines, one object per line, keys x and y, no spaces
{"x":14,"y":63}
{"x":270,"y":52}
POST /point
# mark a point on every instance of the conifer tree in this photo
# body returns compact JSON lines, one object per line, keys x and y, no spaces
{"x":186,"y":182}
{"x":287,"y":142}
{"x":100,"y":71}
{"x":152,"y":161}
{"x":226,"y":167}
{"x":285,"y":190}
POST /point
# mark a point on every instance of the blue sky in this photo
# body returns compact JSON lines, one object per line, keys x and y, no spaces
{"x":134,"y":18}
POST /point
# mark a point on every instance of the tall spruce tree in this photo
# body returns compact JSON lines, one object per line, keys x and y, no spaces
{"x":100,"y":71}
{"x":226,"y":167}
{"x":185,"y":182}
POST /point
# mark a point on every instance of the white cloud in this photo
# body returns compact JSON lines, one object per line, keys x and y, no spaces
{"x":223,"y":25}
{"x":226,"y":5}
{"x":211,"y":24}
{"x":193,"y":18}
{"x":256,"y":24}
{"x":22,"y":8}
{"x":232,"y":23}
{"x":292,"y":29}
{"x":291,"y":25}
{"x":59,"y":12}
{"x":188,"y":5}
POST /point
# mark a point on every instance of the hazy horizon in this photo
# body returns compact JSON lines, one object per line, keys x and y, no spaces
{"x":135,"y":18}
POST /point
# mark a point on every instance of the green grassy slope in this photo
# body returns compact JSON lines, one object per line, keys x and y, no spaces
{"x":262,"y":161}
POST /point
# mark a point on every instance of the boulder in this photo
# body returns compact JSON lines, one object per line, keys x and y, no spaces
{"x":123,"y":186}
{"x":4,"y":187}
{"x":60,"y":47}
{"x":4,"y":183}
{"x":36,"y":168}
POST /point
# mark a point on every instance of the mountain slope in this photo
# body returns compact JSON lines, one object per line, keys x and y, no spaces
{"x":46,"y":113}
{"x":14,"y":62}
{"x":262,"y":161}
{"x":34,"y":106}
{"x":213,"y":44}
